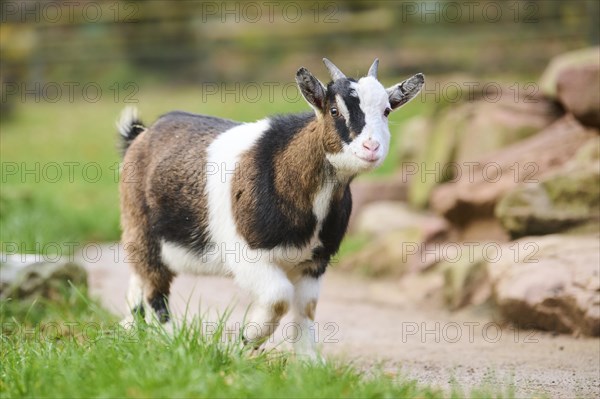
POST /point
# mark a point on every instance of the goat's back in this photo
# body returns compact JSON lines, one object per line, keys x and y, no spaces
{"x":164,"y":176}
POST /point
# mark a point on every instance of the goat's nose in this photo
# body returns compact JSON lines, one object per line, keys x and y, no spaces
{"x":371,"y":145}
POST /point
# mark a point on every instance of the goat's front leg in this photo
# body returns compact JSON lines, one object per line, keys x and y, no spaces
{"x":304,"y":307}
{"x":273,"y":293}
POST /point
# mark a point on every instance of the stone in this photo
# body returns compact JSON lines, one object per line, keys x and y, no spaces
{"x":386,"y":255}
{"x":574,"y":59}
{"x":494,"y":125}
{"x":550,"y":283}
{"x":441,"y":143}
{"x":366,"y":191}
{"x":413,"y":139}
{"x":464,"y":133}
{"x":466,"y":281}
{"x":568,"y":197}
{"x":483,"y":229}
{"x":383,"y":217}
{"x":554,"y":285}
{"x":397,"y":236}
{"x":579,"y":92}
{"x":476,"y":192}
{"x":38,"y":279}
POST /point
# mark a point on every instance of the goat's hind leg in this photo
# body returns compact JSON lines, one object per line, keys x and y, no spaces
{"x":157,"y":285}
{"x":135,"y":300}
{"x":149,"y":285}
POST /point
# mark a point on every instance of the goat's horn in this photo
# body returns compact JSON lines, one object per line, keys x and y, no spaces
{"x":333,"y":70}
{"x":373,"y":69}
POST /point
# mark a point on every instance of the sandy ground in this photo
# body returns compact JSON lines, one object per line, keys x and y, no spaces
{"x":390,"y":325}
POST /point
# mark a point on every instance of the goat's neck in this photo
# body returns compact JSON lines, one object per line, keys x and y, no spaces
{"x":301,"y":168}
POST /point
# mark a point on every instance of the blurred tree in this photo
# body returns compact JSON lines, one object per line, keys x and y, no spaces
{"x":593,"y":8}
{"x":215,"y":41}
{"x":161,"y":37}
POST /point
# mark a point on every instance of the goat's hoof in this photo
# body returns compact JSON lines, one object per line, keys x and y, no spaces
{"x":128,"y":323}
{"x":310,"y":358}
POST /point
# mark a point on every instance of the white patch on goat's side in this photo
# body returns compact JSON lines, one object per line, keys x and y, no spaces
{"x":182,"y":260}
{"x":223,"y":158}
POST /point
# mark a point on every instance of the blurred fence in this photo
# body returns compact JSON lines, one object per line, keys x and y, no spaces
{"x":193,"y":41}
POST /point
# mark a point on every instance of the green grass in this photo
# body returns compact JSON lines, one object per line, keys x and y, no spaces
{"x":51,"y":155}
{"x":351,"y":244}
{"x":73,"y":348}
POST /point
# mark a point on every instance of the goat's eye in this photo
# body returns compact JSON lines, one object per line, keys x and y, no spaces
{"x":386,"y":112}
{"x":334,"y":112}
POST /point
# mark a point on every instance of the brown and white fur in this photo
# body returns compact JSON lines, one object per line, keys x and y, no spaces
{"x":265,"y":202}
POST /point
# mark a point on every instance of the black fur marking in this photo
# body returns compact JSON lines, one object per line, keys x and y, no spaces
{"x":357,"y":117}
{"x":160,"y":304}
{"x":332,"y":233}
{"x":273,"y":226}
{"x":174,"y":219}
{"x":321,"y":260}
{"x":342,"y":129}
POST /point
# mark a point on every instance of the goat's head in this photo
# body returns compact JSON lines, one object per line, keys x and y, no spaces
{"x":354,"y":114}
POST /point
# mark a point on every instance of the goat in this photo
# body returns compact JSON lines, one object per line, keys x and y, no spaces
{"x":266,"y":202}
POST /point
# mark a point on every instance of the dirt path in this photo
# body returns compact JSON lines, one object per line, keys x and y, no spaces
{"x":379,"y":323}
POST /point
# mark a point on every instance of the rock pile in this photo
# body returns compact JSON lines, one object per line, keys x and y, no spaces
{"x":509,"y":212}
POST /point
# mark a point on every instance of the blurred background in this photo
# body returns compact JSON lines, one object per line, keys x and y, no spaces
{"x":193,"y":42}
{"x":502,"y":144}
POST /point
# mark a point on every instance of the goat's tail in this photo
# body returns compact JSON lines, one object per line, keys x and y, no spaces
{"x":129,"y":126}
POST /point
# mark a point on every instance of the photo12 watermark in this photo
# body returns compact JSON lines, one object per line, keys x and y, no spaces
{"x":212,"y":331}
{"x":217,"y":253}
{"x":70,"y":92}
{"x":437,"y":92}
{"x":469,"y":172}
{"x":470,"y":251}
{"x":452,"y":332}
{"x":252,"y":12}
{"x":68,"y":12}
{"x":460,"y":12}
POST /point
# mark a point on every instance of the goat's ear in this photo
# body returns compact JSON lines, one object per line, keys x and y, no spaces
{"x":312,"y":90}
{"x":402,"y":93}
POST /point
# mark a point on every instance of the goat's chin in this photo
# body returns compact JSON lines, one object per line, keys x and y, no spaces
{"x":367,"y":164}
{"x":357,"y":167}
{"x":349,"y":165}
